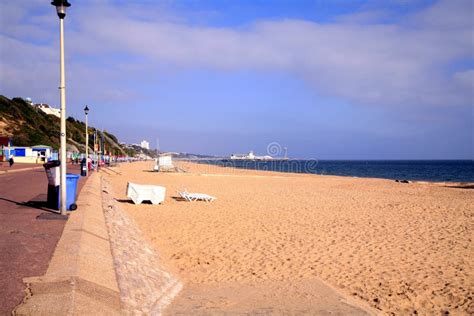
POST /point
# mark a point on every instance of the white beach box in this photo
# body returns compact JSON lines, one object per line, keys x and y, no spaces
{"x":141,"y":192}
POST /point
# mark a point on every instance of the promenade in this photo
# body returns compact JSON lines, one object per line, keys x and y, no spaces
{"x":28,"y":230}
{"x":5,"y":168}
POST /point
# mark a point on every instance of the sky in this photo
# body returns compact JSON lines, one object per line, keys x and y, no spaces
{"x":334,"y":79}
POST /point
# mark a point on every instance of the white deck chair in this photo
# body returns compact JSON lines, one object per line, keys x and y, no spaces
{"x":192,"y":197}
{"x":139,"y":193}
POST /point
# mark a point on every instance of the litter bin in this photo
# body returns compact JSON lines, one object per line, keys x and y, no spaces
{"x":53,"y":174}
{"x":71,"y":191}
{"x":54,"y":192}
{"x":83,"y":167}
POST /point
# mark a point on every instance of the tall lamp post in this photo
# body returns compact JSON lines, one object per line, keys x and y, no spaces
{"x":86,"y":111}
{"x":61,"y":6}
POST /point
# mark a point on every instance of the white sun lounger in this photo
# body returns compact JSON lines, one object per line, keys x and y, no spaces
{"x":192,"y":197}
{"x":140,"y":192}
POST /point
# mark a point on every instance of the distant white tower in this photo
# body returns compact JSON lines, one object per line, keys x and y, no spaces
{"x":145,"y":144}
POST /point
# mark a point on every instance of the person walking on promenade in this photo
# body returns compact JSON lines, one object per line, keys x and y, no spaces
{"x":89,"y":163}
{"x":11,"y":161}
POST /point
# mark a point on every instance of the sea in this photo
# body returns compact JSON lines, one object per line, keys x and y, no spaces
{"x":412,"y":170}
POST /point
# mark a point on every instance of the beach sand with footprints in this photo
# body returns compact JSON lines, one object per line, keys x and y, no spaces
{"x":270,"y":238}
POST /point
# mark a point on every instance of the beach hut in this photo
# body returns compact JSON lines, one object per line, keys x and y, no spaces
{"x":43,"y":153}
{"x":165,"y":163}
{"x":35,"y":154}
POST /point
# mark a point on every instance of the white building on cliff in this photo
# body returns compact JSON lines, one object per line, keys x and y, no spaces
{"x":145,"y":144}
{"x":48,"y":109}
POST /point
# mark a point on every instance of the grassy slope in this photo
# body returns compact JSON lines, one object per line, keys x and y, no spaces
{"x":28,"y":127}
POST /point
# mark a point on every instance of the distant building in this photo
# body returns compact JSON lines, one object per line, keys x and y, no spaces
{"x":145,"y":144}
{"x":48,"y":109}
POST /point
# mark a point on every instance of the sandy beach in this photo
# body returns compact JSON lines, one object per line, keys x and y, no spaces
{"x":399,"y":248}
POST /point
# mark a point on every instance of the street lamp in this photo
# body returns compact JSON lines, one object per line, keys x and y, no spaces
{"x":86,"y":111}
{"x":61,"y":6}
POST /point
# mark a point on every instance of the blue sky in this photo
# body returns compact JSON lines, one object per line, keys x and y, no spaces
{"x":326,"y":79}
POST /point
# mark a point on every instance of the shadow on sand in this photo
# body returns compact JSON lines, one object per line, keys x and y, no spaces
{"x":179,"y":198}
{"x":128,"y":201}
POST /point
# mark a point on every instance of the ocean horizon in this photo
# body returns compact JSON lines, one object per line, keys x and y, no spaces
{"x":412,"y":170}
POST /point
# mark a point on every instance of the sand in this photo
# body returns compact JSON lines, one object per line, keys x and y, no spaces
{"x":400,"y":248}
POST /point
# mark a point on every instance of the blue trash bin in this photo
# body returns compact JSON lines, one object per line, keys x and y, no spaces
{"x":71,"y":191}
{"x":54,"y":193}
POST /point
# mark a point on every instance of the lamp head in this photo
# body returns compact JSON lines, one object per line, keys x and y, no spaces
{"x":86,"y":110}
{"x":61,"y":6}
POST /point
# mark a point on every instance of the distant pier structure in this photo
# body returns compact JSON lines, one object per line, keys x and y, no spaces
{"x":252,"y":157}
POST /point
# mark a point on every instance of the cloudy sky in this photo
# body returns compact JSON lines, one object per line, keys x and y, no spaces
{"x":334,"y":79}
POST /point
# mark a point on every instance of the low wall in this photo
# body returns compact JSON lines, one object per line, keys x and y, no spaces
{"x":81,"y":277}
{"x":102,"y":265}
{"x":146,"y":287}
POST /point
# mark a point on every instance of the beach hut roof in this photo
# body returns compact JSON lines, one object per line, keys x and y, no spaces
{"x":167,"y":154}
{"x":41,"y":146}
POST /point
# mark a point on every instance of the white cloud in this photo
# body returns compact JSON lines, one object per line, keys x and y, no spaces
{"x":465,"y":78}
{"x":447,"y":14}
{"x":26,"y":68}
{"x":391,"y":64}
{"x":364,"y":17}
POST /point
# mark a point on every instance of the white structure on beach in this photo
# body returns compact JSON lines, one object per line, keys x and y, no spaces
{"x":164,"y":163}
{"x":145,"y":144}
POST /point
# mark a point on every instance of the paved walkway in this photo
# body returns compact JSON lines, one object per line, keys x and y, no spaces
{"x":27,"y":236}
{"x":5,"y":168}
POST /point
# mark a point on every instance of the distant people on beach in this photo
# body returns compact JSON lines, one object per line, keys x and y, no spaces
{"x":11,"y":161}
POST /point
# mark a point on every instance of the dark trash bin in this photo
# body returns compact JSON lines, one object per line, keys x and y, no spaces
{"x":54,"y":192}
{"x":84,"y":167}
{"x":52,"y":172}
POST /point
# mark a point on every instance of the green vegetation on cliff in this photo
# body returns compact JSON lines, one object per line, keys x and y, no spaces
{"x":28,"y":126}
